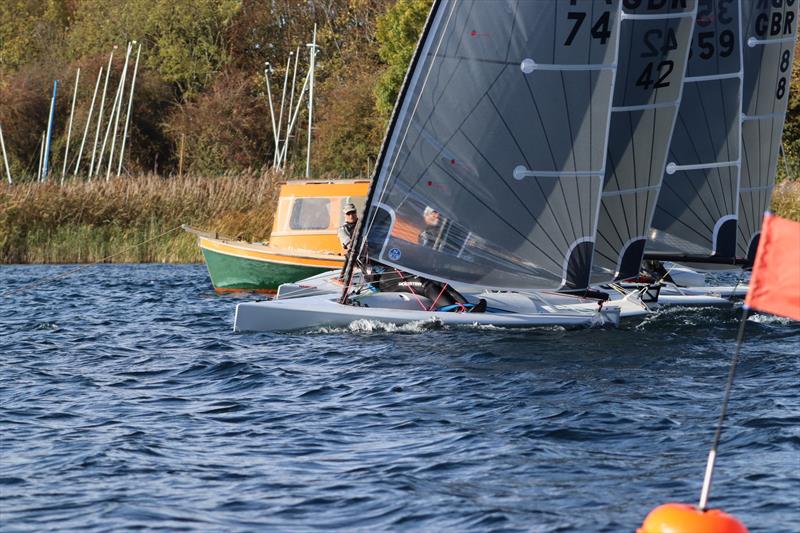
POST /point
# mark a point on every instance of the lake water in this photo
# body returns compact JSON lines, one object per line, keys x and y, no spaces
{"x":127,"y":402}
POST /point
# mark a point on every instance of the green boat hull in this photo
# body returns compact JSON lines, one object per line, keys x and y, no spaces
{"x":231,"y":273}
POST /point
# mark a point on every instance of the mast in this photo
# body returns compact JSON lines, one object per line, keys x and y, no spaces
{"x":312,"y":65}
{"x":45,"y":165}
{"x":69,"y":129}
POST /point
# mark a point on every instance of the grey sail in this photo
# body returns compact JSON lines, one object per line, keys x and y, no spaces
{"x":696,"y":211}
{"x":654,"y":44}
{"x":770,"y":32}
{"x":500,"y":135}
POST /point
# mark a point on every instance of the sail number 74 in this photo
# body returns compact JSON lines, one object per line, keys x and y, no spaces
{"x":600,"y":29}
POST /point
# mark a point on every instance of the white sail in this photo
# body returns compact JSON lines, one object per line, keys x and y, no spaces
{"x":501,"y":132}
{"x":770,"y":33}
{"x":654,"y":47}
{"x":696,"y":212}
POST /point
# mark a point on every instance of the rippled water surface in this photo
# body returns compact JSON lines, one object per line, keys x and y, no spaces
{"x":127,"y":402}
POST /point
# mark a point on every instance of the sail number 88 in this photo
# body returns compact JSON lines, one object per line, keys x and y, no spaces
{"x":784,"y":66}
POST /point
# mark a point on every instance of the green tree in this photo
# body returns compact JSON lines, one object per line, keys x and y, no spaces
{"x":791,"y":132}
{"x":184,"y":40}
{"x":397,"y":34}
{"x":30,"y":30}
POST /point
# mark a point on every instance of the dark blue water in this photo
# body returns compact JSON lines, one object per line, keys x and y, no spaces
{"x":126,"y":402}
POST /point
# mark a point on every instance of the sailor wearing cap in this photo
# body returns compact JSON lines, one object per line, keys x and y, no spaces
{"x":346,"y":230}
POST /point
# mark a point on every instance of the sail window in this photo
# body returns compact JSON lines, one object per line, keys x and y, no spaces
{"x":310,"y":214}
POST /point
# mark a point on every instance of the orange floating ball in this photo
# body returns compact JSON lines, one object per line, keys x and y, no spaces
{"x":685,"y":518}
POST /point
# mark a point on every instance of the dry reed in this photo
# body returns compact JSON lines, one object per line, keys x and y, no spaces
{"x":84,"y":222}
{"x":87,"y":221}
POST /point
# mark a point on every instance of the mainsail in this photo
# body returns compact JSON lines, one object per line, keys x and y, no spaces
{"x":654,"y":44}
{"x":697,"y":207}
{"x":770,"y":32}
{"x":492,"y":169}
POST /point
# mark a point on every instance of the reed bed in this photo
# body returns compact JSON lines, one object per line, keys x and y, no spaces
{"x":85,"y":222}
{"x":786,"y":199}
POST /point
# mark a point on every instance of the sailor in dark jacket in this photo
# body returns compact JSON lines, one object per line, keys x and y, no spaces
{"x":346,"y":230}
{"x":433,"y":228}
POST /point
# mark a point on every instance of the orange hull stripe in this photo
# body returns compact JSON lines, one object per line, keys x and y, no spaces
{"x":287,"y":257}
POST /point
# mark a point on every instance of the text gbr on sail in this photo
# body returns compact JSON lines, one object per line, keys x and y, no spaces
{"x":777,"y":22}
{"x":655,"y":5}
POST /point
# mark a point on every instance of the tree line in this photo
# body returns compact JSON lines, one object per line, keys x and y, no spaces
{"x":201,"y":91}
{"x":201,"y":85}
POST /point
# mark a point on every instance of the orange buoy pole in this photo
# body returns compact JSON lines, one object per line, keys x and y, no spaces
{"x":712,"y":454}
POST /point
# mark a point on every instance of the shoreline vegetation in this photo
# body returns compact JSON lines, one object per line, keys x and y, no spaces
{"x":201,"y":109}
{"x":88,"y":221}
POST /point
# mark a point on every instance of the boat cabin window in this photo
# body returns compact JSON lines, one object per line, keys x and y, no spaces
{"x":310,"y":214}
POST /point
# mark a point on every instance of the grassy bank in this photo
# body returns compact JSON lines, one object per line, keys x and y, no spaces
{"x":84,"y":222}
{"x":786,"y":199}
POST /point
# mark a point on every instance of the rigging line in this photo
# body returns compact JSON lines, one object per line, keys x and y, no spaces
{"x":513,"y":27}
{"x":423,"y":126}
{"x":439,"y":71}
{"x":565,"y":67}
{"x":412,"y":290}
{"x":433,"y":305}
{"x":712,"y":454}
{"x":41,"y":281}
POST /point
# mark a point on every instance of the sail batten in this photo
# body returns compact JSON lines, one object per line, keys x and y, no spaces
{"x":498,"y":147}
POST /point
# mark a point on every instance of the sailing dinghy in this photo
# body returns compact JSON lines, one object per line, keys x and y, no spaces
{"x":770,"y":34}
{"x":501,"y":128}
{"x":725,"y":149}
{"x":696,"y":213}
{"x":655,"y":39}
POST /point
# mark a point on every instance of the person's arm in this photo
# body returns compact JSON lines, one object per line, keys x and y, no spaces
{"x":344,"y":237}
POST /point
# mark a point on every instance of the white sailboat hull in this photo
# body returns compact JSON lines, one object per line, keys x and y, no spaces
{"x":323,"y":310}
